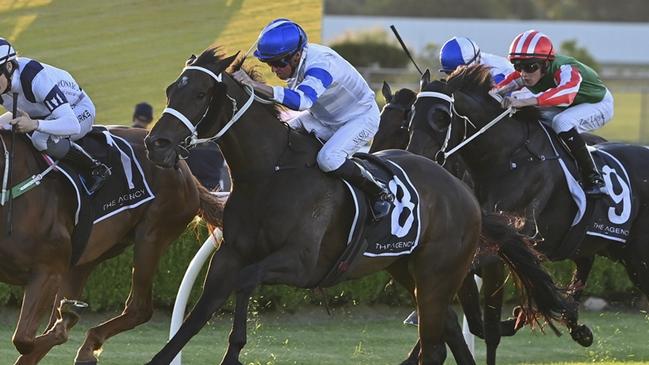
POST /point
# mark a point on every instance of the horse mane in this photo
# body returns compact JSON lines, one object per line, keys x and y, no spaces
{"x":213,"y":55}
{"x":477,"y":79}
{"x":473,"y":78}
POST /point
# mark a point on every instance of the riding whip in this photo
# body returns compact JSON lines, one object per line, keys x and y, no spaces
{"x":10,"y":168}
{"x":405,"y":49}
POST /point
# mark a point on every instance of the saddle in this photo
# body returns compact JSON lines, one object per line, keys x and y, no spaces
{"x":395,"y":235}
{"x":126,"y":188}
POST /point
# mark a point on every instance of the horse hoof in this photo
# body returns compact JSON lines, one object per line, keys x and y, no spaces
{"x":582,"y":335}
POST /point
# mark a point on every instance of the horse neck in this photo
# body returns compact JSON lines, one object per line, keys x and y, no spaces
{"x":255,"y":142}
{"x":492,"y":151}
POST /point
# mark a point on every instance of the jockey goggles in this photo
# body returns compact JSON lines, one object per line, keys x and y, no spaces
{"x":279,"y":62}
{"x":527,"y":67}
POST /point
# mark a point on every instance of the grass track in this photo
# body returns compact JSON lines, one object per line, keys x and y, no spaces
{"x":358,"y":336}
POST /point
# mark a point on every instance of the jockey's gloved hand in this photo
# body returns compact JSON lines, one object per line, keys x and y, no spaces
{"x":23,"y":123}
{"x":243,"y":78}
{"x":509,"y":101}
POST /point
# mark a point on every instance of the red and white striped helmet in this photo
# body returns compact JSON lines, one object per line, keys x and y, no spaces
{"x":531,"y":45}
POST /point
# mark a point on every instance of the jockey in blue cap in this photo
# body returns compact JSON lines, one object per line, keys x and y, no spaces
{"x":459,"y":51}
{"x":338,"y":106}
{"x":53,"y":108}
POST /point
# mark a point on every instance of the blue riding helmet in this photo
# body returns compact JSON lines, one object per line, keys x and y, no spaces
{"x":458,"y":51}
{"x":280,"y":38}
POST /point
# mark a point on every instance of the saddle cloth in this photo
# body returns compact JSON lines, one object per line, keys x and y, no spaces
{"x":610,"y":219}
{"x":126,"y":188}
{"x":398,"y":233}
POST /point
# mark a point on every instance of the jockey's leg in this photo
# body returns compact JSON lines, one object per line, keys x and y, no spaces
{"x":96,"y":173}
{"x":593,"y":182}
{"x":361,"y":178}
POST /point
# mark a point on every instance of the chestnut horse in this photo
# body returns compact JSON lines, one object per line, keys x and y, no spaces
{"x":37,"y":255}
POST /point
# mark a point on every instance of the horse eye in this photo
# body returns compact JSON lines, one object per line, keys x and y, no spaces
{"x":201,"y":95}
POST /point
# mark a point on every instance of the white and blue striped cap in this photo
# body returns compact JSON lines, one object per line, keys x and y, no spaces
{"x":7,"y":52}
{"x":458,"y":51}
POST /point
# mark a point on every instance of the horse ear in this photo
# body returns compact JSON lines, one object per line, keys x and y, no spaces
{"x":225,"y":63}
{"x":387,"y":92}
{"x":425,"y":80}
{"x":190,"y":60}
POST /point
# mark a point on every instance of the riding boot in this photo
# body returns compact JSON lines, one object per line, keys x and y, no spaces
{"x":95,"y":173}
{"x":592,"y":179}
{"x":378,"y":193}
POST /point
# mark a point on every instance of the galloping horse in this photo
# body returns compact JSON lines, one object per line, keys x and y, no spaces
{"x":446,"y":114}
{"x":37,"y":255}
{"x":286,"y":222}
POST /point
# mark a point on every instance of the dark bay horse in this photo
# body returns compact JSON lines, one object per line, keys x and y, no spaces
{"x":535,"y":190}
{"x":286,"y":222}
{"x":394,"y":133}
{"x":37,"y":255}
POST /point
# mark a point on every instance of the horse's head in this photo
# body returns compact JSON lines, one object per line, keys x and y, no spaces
{"x":197,"y":107}
{"x":395,"y":118}
{"x":446,"y":114}
{"x":431,"y":117}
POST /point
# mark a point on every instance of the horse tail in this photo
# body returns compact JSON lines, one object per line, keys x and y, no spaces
{"x":539,"y":295}
{"x":210,"y":207}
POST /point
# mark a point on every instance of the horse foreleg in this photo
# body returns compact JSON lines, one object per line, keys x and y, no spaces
{"x":38,"y":298}
{"x":493,"y":275}
{"x":220,"y":282}
{"x":148,"y":249}
{"x":580,"y":333}
{"x":61,"y":319}
{"x":237,"y":339}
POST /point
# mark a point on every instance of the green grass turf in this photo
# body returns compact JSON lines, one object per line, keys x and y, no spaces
{"x":124,"y":52}
{"x":363,"y":336}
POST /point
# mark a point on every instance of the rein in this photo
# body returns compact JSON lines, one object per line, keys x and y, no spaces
{"x":237,"y":113}
{"x":442,"y":155}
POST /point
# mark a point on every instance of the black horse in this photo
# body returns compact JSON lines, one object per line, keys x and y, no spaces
{"x":534,"y":189}
{"x":286,"y":222}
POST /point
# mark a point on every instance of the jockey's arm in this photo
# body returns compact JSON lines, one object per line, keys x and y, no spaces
{"x":568,"y":79}
{"x":316,"y":81}
{"x":511,"y":82}
{"x":62,"y":122}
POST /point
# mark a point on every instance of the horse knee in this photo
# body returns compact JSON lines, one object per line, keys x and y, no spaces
{"x":140,"y":315}
{"x":24,"y":345}
{"x":436,"y":356}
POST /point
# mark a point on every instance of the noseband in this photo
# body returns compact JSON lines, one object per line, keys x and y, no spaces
{"x":192,"y":140}
{"x":442,"y":155}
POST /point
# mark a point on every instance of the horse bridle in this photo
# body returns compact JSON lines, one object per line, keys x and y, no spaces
{"x":442,"y":155}
{"x":192,"y":140}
